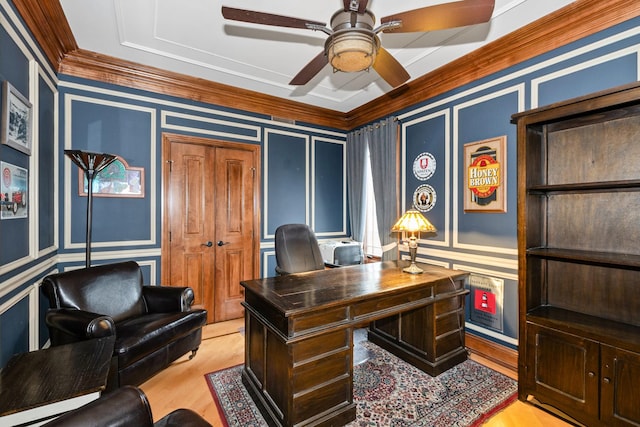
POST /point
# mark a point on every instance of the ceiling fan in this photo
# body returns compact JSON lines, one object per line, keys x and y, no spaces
{"x":353,"y":44}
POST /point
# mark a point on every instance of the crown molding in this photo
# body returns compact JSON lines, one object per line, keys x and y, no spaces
{"x":571,"y":23}
{"x":95,"y":66}
{"x":46,"y":21}
{"x":49,"y":26}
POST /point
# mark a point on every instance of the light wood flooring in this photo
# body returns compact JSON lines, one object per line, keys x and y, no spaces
{"x":183,"y":385}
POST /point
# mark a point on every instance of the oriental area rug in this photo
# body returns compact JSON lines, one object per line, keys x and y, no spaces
{"x":390,"y":392}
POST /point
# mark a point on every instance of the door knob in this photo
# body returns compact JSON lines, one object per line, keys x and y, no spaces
{"x":208,"y":244}
{"x":221,"y":243}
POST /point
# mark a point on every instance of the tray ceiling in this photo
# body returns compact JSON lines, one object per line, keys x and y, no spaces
{"x":191,"y":37}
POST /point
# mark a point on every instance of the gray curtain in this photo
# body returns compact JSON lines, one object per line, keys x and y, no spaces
{"x":383,"y":153}
{"x":356,"y":157}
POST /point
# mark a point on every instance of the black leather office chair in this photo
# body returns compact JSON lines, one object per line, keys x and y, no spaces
{"x":297,"y":249}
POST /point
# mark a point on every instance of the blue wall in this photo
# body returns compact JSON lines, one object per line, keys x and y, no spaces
{"x":485,"y":244}
{"x":303,"y":168}
{"x":303,"y":175}
{"x":28,"y":239}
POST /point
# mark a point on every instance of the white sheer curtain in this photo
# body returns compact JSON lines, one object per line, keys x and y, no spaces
{"x":381,"y":141}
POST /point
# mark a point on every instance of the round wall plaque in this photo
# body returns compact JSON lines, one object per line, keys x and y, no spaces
{"x":424,"y":198}
{"x":424,"y":166}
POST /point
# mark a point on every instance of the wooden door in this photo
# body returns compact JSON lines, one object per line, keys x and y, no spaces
{"x":233,"y":201}
{"x":210,"y":224}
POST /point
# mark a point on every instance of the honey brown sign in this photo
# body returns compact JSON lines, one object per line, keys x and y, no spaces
{"x":485,"y":169}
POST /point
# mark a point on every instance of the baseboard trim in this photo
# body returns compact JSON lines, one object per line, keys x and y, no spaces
{"x":503,"y":356}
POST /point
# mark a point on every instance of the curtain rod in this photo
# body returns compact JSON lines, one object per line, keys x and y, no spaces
{"x":374,"y":125}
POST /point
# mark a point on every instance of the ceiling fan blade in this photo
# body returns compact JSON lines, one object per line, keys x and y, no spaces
{"x":441,"y":16}
{"x":310,"y":70}
{"x":355,"y":5}
{"x":266,"y":18}
{"x":389,"y":68}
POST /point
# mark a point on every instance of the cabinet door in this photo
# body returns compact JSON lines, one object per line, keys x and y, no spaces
{"x":619,"y":392}
{"x":562,"y":371}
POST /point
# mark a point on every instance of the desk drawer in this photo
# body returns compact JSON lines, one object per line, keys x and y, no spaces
{"x":319,"y":372}
{"x":315,"y":347}
{"x":448,"y":286}
{"x":450,"y":304}
{"x":301,"y":324}
{"x":382,"y":307}
{"x":449,"y":343}
{"x":330,"y":398}
{"x":448,"y":322}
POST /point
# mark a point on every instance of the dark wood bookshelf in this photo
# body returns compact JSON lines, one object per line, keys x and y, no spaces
{"x":579,"y":261}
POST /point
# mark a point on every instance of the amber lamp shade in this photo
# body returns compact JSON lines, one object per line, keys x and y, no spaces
{"x":412,"y":221}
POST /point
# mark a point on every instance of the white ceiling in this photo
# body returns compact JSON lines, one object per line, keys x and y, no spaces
{"x":191,"y":37}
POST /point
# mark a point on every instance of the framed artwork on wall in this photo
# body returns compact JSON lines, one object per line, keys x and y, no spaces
{"x":16,"y":119}
{"x":13,"y":191}
{"x":116,"y":180}
{"x":485,"y":173}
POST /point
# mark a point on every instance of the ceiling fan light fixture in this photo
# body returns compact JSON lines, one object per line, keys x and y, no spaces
{"x":352,"y":44}
{"x":353,"y":50}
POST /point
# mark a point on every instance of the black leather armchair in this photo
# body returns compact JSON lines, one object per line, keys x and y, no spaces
{"x":153,"y":325}
{"x":297,"y":249}
{"x":126,"y":407}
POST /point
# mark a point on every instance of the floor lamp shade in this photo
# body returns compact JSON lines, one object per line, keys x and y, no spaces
{"x":91,"y":164}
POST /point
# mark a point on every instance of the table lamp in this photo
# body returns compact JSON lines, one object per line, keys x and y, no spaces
{"x":91,"y":164}
{"x":414,"y":222}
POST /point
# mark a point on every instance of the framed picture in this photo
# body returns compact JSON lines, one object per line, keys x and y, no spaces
{"x":16,"y":119}
{"x":116,"y":180}
{"x":14,"y":188}
{"x":485,"y":173}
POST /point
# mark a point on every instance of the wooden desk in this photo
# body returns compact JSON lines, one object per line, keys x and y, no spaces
{"x":299,"y":334}
{"x":36,"y":387}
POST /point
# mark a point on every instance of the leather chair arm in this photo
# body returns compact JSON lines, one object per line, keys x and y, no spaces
{"x":70,"y":325}
{"x":167,"y":299}
{"x":124,"y":407}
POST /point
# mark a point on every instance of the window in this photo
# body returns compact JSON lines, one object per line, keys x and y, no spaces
{"x":372,"y":245}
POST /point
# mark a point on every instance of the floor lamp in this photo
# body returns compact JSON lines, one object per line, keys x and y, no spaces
{"x":91,"y":164}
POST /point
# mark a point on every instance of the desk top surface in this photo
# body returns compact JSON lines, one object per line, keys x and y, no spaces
{"x":306,"y":291}
{"x":54,"y":374}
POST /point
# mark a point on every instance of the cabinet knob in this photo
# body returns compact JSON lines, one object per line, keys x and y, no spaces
{"x":591,"y":374}
{"x":606,"y":380}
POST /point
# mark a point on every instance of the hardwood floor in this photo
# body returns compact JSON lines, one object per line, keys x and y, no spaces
{"x":182,"y":385}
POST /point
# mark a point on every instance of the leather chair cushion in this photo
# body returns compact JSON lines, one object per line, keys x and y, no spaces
{"x":142,"y":335}
{"x":114,"y":290}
